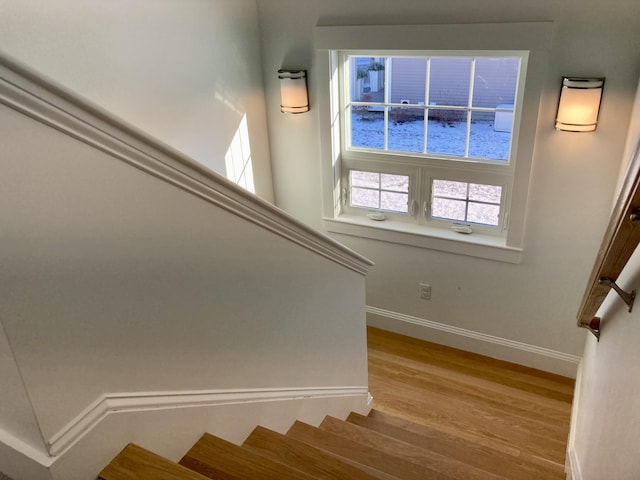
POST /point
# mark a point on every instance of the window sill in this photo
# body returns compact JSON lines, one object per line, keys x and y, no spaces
{"x":475,"y":245}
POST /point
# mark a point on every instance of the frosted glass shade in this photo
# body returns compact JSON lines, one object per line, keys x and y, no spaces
{"x":293,"y":91}
{"x":579,"y":104}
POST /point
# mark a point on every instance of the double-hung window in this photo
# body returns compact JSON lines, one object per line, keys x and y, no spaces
{"x":427,"y":138}
{"x":431,"y":148}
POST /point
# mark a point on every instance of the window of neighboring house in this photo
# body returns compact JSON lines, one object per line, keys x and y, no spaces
{"x":429,"y":139}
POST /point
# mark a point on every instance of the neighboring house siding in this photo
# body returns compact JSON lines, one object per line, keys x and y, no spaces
{"x":494,"y":82}
{"x":449,"y":81}
{"x":408,"y":80}
{"x":496,"y":85}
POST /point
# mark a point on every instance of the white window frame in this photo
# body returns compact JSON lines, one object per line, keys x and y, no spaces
{"x":345,"y":86}
{"x":532,"y":38}
{"x":412,"y":172}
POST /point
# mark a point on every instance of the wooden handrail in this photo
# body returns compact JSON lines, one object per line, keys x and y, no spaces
{"x":618,"y":244}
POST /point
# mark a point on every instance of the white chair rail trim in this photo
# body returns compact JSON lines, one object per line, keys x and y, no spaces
{"x":146,"y":401}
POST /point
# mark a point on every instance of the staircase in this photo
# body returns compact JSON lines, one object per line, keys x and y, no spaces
{"x":440,"y":413}
{"x":377,"y":446}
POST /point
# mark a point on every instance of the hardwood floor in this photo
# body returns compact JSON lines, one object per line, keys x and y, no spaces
{"x":489,"y":414}
{"x":439,"y":414}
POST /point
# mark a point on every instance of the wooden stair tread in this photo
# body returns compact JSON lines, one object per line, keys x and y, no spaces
{"x":462,"y":384}
{"x":406,"y":451}
{"x":316,"y":462}
{"x":441,"y":414}
{"x":216,"y":458}
{"x":530,"y":416}
{"x":136,"y":463}
{"x":456,"y":409}
{"x":365,"y":455}
{"x":489,"y":427}
{"x":514,"y":465}
{"x":511,"y":409}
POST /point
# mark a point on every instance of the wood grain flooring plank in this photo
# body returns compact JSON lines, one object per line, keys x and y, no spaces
{"x":456,"y":416}
{"x":514,"y":467}
{"x":523,"y":419}
{"x":313,"y":461}
{"x":216,"y":458}
{"x":487,"y":388}
{"x":505,"y":408}
{"x":406,"y":451}
{"x":504,"y":424}
{"x":517,"y":376}
{"x":137,"y":463}
{"x":364,"y":455}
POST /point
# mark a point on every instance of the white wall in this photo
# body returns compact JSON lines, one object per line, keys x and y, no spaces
{"x":117,"y":282}
{"x":606,"y":425}
{"x":124,"y":295}
{"x":185,"y":71}
{"x":605,"y":431}
{"x":17,"y":417}
{"x":573,"y":176}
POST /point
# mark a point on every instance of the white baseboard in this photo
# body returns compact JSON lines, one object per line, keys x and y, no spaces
{"x":170,"y":422}
{"x":573,"y":472}
{"x":469,"y":340}
{"x":572,"y":465}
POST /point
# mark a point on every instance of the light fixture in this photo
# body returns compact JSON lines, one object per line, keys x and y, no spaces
{"x":293,"y":91}
{"x":579,"y":104}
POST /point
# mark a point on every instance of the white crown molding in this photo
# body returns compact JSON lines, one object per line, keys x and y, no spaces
{"x":30,"y":94}
{"x":117,"y":403}
{"x":569,"y":361}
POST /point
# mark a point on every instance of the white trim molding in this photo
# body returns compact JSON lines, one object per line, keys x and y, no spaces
{"x":27,"y":92}
{"x":534,"y":38}
{"x":149,"y":401}
{"x":477,"y":342}
{"x":105,"y":426}
{"x":23,"y":449}
{"x":572,"y":465}
{"x":572,"y":468}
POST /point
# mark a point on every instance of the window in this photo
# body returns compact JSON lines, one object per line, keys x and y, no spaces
{"x":468,"y":104}
{"x":466,"y":202}
{"x":455,"y":125}
{"x":379,"y":191}
{"x":428,"y":138}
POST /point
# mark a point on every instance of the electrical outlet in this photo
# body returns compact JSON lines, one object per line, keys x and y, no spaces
{"x":425,"y":291}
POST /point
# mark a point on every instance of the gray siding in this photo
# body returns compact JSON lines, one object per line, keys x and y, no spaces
{"x":494,"y":81}
{"x":408,"y":77}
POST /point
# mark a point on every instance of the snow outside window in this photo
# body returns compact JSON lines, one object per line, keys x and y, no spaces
{"x":449,"y":117}
{"x":379,"y":191}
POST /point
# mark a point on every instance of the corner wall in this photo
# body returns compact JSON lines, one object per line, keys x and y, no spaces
{"x":187,"y":72}
{"x":572,"y":182}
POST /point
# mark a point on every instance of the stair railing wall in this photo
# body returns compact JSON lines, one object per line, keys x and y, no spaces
{"x":144,"y":293}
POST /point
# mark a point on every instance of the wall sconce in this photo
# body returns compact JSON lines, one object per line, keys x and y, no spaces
{"x":579,"y":104}
{"x":293,"y":91}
